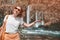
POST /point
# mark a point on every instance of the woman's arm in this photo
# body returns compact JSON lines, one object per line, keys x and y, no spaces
{"x":28,"y":25}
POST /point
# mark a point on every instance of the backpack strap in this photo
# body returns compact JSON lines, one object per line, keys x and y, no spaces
{"x":6,"y":17}
{"x":4,"y":23}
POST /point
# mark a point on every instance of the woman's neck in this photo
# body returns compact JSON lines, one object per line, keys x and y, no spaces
{"x":14,"y":15}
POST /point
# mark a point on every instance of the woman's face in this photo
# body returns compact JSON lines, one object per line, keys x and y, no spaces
{"x":16,"y":11}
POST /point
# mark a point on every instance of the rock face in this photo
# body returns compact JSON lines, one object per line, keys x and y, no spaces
{"x":50,"y":9}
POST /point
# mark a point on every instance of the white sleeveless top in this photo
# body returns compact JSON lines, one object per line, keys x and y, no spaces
{"x":13,"y":24}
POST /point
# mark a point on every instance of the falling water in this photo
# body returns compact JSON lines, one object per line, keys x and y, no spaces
{"x":28,"y":14}
{"x":39,"y":16}
{"x":36,"y":20}
{"x":42,"y":19}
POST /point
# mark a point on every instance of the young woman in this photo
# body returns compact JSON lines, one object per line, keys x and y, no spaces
{"x":13,"y":22}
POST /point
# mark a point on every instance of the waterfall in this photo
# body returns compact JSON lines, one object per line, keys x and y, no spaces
{"x":39,"y":16}
{"x":42,"y":20}
{"x":28,"y":14}
{"x":36,"y":25}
